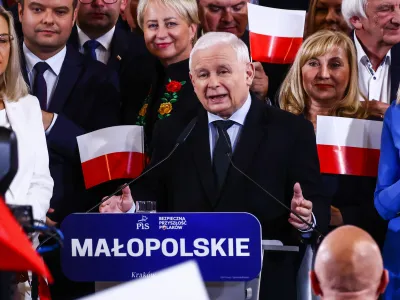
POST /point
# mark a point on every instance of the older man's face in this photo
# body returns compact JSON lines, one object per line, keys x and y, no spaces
{"x":383,"y":21}
{"x":224,"y":15}
{"x":220,"y":81}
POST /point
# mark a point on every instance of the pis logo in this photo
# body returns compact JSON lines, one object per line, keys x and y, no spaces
{"x":142,"y":223}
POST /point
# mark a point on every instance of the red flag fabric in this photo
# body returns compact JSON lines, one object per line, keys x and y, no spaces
{"x":44,"y":291}
{"x":17,"y":253}
{"x":348,"y":146}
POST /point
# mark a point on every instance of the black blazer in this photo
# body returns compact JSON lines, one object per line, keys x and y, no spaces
{"x":394,"y":71}
{"x":185,"y":183}
{"x":86,"y":99}
{"x":124,"y":46}
{"x":180,"y":101}
{"x":354,"y":197}
{"x":132,"y":62}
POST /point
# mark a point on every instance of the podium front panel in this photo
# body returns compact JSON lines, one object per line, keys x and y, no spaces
{"x":121,"y":247}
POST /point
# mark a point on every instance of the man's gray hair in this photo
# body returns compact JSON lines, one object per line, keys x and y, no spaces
{"x":221,"y":38}
{"x":353,"y":8}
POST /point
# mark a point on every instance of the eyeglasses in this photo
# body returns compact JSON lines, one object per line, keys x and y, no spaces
{"x":91,"y":1}
{"x":5,"y":39}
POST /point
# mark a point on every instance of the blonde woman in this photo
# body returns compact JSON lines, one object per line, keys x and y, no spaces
{"x":387,"y":195}
{"x":323,"y":81}
{"x":169,"y":29}
{"x":32,"y":184}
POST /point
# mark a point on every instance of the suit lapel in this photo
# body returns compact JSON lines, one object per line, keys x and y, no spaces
{"x":253,"y":132}
{"x":69,"y":74}
{"x":118,"y":49}
{"x":74,"y":39}
{"x":200,"y":146}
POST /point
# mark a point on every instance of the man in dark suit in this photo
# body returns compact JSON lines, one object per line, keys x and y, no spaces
{"x":275,"y":148}
{"x":76,"y":96}
{"x":97,"y":35}
{"x":376,"y":37}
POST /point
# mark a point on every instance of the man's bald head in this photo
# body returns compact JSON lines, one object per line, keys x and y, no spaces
{"x":349,"y":265}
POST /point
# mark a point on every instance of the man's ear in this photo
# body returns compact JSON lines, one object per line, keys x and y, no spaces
{"x":74,"y":15}
{"x":20,"y":11}
{"x":356,"y":22}
{"x":250,"y":72}
{"x":315,"y":284}
{"x":192,"y":80}
{"x":384,"y":282}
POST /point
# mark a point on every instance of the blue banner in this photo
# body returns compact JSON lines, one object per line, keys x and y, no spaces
{"x":121,"y":247}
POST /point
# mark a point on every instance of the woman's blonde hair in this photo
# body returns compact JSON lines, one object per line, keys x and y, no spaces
{"x":186,"y":9}
{"x":292,"y":95}
{"x":12,"y":84}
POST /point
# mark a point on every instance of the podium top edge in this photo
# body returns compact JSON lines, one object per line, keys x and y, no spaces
{"x":273,"y":245}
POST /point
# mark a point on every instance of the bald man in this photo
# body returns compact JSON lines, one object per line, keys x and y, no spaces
{"x":348,"y":266}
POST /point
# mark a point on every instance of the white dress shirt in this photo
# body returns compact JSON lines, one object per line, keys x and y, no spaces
{"x":3,"y":118}
{"x":103,"y":52}
{"x":374,"y":85}
{"x":51,"y":76}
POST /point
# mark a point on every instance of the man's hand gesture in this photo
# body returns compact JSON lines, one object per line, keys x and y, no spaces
{"x":302,"y":207}
{"x":118,"y":204}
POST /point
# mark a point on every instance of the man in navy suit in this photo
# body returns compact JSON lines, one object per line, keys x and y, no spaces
{"x":77,"y":96}
{"x":376,"y":37}
{"x":97,"y":35}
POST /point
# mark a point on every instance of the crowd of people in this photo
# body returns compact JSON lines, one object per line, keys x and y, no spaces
{"x":69,"y":67}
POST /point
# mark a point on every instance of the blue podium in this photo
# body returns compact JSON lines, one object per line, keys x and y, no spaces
{"x":121,"y":247}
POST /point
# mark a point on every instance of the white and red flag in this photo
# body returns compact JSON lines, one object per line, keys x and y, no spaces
{"x":276,"y":35}
{"x":112,"y":153}
{"x":348,"y":146}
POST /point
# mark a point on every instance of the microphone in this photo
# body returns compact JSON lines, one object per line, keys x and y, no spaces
{"x":310,"y":226}
{"x":9,"y":158}
{"x":181,"y":139}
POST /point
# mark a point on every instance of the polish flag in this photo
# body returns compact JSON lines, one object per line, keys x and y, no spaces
{"x":348,"y":146}
{"x":275,"y":34}
{"x":112,"y":153}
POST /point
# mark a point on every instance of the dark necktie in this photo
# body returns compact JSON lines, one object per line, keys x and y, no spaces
{"x":90,"y":48}
{"x":222,"y":148}
{"x":39,"y":85}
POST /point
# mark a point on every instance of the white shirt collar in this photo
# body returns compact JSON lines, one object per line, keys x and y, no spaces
{"x":105,"y":40}
{"x":238,"y":117}
{"x":55,"y":62}
{"x":362,"y":56}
